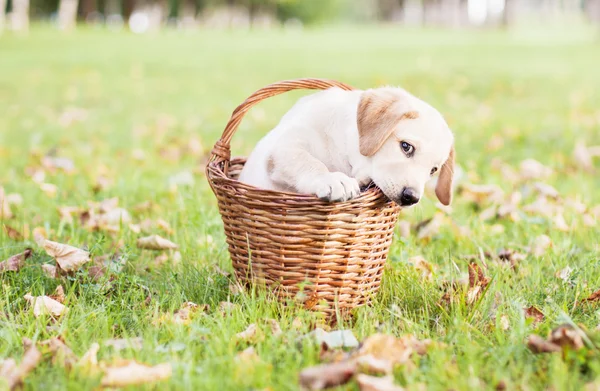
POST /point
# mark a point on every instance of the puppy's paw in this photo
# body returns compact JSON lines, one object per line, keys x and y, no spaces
{"x":336,"y":186}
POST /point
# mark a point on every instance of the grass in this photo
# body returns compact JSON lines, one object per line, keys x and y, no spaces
{"x":537,"y":93}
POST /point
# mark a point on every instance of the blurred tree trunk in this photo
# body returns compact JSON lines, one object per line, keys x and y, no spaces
{"x":187,"y":13}
{"x":2,"y":15}
{"x":67,"y":14}
{"x":128,"y":7}
{"x":507,"y":13}
{"x":20,"y":15}
{"x":87,"y":7}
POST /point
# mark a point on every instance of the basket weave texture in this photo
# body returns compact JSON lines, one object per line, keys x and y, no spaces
{"x":329,"y":256}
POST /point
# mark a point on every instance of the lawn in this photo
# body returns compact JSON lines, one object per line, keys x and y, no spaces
{"x":137,"y":116}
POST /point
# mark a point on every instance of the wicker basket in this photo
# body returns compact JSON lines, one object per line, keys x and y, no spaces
{"x":330,"y":256}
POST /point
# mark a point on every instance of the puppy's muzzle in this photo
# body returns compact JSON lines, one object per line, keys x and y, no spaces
{"x":408,"y":197}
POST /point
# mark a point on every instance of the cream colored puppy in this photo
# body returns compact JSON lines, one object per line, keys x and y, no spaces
{"x":333,"y":142}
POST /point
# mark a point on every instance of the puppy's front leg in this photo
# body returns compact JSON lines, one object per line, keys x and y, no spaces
{"x":296,"y":168}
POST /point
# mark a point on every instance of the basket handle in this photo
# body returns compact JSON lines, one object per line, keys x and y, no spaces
{"x":222,"y":151}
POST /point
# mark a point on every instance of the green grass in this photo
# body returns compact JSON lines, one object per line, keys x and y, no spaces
{"x":538,"y":92}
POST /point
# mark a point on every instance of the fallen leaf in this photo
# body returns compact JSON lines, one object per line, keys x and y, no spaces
{"x":40,"y":235}
{"x":546,"y":190}
{"x":60,"y":352}
{"x":511,"y":256}
{"x":226,"y":307}
{"x":374,"y":383}
{"x":537,"y":344}
{"x":480,"y":194}
{"x":44,"y":304}
{"x":89,"y":360}
{"x":560,"y":223}
{"x":162,"y":224}
{"x":504,"y":322}
{"x":130,"y":373}
{"x":477,"y":282}
{"x":58,"y":163}
{"x":59,"y":294}
{"x":5,"y":212}
{"x":275,"y":328}
{"x":247,"y":356}
{"x":49,"y":189}
{"x":155,"y":242}
{"x":371,"y":365}
{"x":50,"y":270}
{"x":532,"y":169}
{"x":16,"y":262}
{"x":327,"y":375}
{"x":566,"y":336}
{"x":431,"y":228}
{"x":564,"y":274}
{"x":67,"y":257}
{"x":387,"y":347}
{"x":14,"y":374}
{"x":183,"y":315}
{"x":334,"y":339}
{"x":582,"y":156}
{"x":248,"y":334}
{"x":13,"y":233}
{"x":594,"y":296}
{"x":540,"y":245}
{"x":125,"y":343}
{"x":534,"y":313}
{"x":424,"y":267}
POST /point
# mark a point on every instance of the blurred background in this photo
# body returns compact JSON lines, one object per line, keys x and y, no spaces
{"x":147,"y":15}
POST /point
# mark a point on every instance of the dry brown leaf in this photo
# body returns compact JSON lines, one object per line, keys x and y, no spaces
{"x":155,"y":242}
{"x":275,"y":328}
{"x":13,"y":233}
{"x":477,"y":282}
{"x":327,"y":375}
{"x":540,"y":245}
{"x":125,"y":343}
{"x":67,"y":257}
{"x":14,"y":374}
{"x":16,"y":262}
{"x":374,"y":383}
{"x":504,"y":322}
{"x":560,"y":223}
{"x":226,"y":307}
{"x":480,"y":194}
{"x":546,"y":190}
{"x":424,"y":267}
{"x":129,"y":373}
{"x":532,"y":169}
{"x":564,"y":274}
{"x":431,"y":228}
{"x":5,"y":212}
{"x":50,"y":270}
{"x":534,"y":313}
{"x":594,"y":296}
{"x":162,"y":224}
{"x":248,"y":334}
{"x":49,"y":189}
{"x":45,"y":305}
{"x":537,"y":344}
{"x":511,"y":256}
{"x":183,"y":316}
{"x":59,"y":294}
{"x":60,"y":352}
{"x":582,"y":156}
{"x":40,"y":235}
{"x":89,"y":360}
{"x":566,"y":336}
{"x":371,"y":365}
{"x":387,"y":347}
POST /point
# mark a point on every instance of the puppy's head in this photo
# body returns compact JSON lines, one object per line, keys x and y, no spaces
{"x":407,"y":141}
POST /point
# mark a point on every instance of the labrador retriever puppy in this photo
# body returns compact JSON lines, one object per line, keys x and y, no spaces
{"x":333,"y":142}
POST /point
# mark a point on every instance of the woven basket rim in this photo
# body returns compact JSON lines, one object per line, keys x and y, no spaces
{"x":215,"y":170}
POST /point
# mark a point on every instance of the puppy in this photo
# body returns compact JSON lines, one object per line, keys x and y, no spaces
{"x":333,"y":142}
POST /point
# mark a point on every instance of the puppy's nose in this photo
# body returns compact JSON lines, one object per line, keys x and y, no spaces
{"x":409,"y":197}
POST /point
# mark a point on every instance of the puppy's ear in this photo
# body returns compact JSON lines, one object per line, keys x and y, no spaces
{"x":379,"y":112}
{"x":443,"y":189}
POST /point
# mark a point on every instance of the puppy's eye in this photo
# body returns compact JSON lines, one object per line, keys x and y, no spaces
{"x":407,"y":148}
{"x":433,"y":171}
